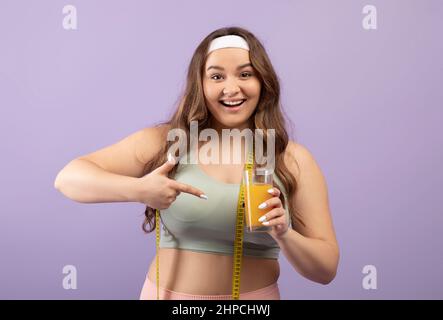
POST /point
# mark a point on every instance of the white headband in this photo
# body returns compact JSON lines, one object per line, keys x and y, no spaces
{"x":231,"y":41}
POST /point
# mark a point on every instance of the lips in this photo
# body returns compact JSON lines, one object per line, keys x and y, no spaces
{"x":232,"y":105}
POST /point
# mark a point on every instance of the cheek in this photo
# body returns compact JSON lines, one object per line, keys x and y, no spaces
{"x":211,"y":91}
{"x":253,"y":89}
{"x":211,"y":97}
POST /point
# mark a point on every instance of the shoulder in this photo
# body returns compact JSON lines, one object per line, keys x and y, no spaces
{"x":298,"y":158}
{"x":150,"y":140}
{"x":311,"y":182}
{"x":158,"y":132}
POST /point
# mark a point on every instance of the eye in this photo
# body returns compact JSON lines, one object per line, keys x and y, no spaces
{"x":214,"y":77}
{"x":246,"y":74}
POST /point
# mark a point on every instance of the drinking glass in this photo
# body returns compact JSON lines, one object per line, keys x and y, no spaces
{"x":256,"y":192}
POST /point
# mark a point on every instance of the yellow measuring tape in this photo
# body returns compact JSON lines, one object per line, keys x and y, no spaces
{"x":238,"y":241}
{"x":157,"y":247}
{"x":239,"y":229}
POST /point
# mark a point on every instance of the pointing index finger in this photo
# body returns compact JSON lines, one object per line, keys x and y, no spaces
{"x":182,"y":187}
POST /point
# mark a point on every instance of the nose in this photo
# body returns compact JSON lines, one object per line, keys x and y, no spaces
{"x":231,"y":88}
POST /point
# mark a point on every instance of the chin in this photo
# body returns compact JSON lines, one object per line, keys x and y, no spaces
{"x":233,"y":124}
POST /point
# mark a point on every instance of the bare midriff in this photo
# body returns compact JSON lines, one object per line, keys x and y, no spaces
{"x":202,"y":273}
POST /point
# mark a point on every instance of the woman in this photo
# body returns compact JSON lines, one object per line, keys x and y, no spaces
{"x":231,"y":84}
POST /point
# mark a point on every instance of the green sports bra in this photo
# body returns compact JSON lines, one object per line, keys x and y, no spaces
{"x":208,"y":226}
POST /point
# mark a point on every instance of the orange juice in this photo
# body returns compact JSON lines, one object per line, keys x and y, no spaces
{"x":256,"y":194}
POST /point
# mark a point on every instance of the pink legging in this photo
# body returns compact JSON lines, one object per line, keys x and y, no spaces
{"x":149,"y":292}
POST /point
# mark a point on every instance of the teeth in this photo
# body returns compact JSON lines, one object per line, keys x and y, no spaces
{"x":233,"y":103}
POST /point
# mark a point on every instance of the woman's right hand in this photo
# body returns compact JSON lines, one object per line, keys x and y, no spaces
{"x":158,"y":191}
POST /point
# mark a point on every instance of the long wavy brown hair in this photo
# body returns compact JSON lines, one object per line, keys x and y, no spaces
{"x":267,"y":115}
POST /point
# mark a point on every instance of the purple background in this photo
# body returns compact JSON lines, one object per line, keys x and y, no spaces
{"x":367,"y":104}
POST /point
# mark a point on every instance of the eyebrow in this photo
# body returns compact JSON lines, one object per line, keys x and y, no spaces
{"x":238,"y":68}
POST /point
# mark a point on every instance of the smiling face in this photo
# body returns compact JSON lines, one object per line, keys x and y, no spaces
{"x":231,"y":87}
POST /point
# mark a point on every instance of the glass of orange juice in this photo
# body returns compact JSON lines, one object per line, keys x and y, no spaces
{"x":256,"y":192}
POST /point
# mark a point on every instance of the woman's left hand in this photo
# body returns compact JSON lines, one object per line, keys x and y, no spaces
{"x":275,"y":218}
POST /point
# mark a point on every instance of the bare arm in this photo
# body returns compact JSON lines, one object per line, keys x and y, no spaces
{"x":116,"y":174}
{"x":312,"y":250}
{"x":83,"y":181}
{"x":110,"y":174}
